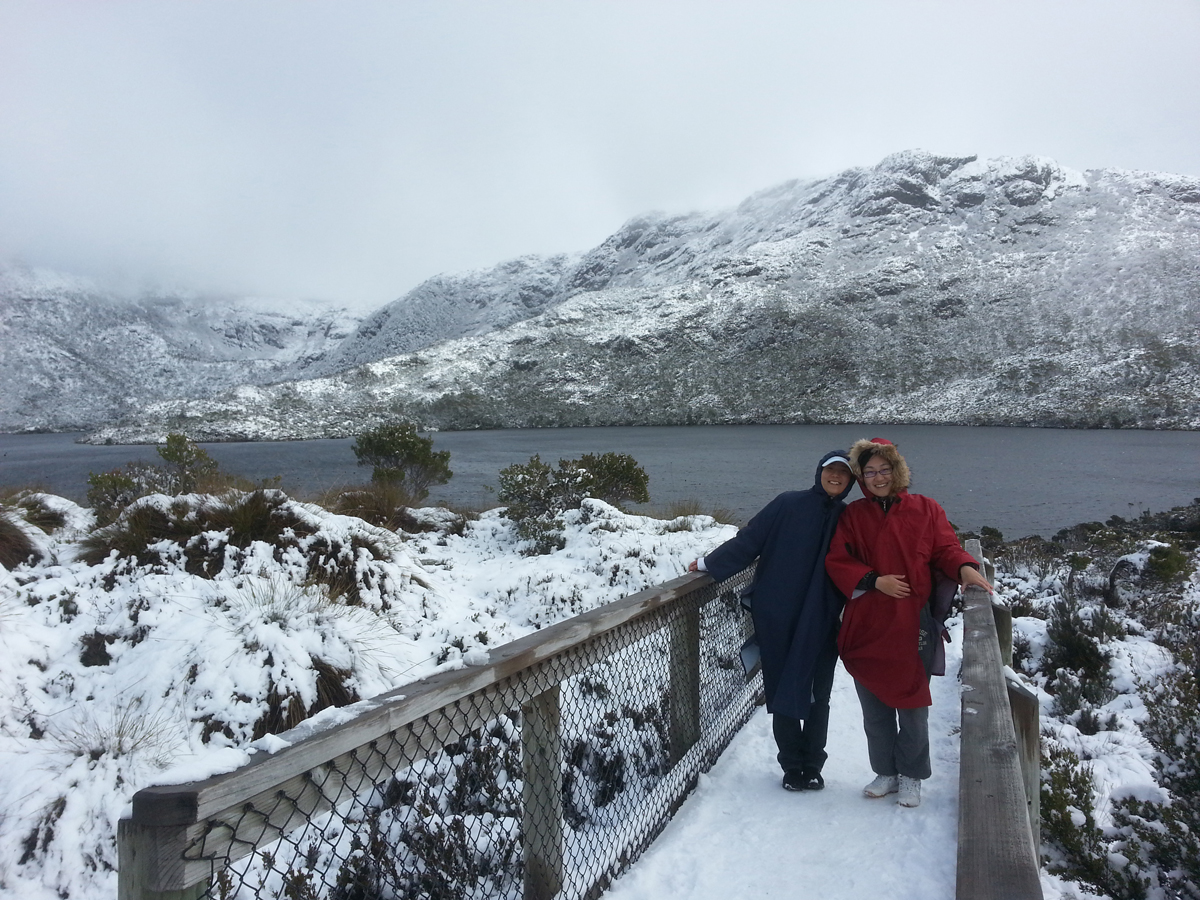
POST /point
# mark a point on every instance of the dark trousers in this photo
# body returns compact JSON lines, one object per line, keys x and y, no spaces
{"x":802,"y":744}
{"x":897,"y":739}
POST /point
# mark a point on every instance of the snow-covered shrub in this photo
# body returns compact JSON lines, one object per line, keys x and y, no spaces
{"x":1079,"y":848}
{"x":1163,"y":835}
{"x":1075,"y":659}
{"x":1115,"y":662}
{"x":536,"y":495}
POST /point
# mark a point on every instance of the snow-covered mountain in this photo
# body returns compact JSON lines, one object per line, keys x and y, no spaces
{"x":74,"y":356}
{"x":446,"y":307}
{"x":926,"y":289}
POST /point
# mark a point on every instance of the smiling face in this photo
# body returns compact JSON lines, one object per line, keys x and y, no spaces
{"x":835,"y":478}
{"x":877,"y":476}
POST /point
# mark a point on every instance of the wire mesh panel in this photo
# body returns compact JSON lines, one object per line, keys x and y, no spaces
{"x":545,"y":783}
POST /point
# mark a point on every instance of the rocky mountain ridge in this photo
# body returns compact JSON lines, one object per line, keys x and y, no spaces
{"x":926,"y":289}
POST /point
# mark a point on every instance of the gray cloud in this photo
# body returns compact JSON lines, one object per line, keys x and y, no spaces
{"x":348,"y":151}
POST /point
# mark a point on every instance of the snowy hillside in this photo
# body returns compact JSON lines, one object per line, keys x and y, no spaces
{"x":119,"y":666}
{"x":73,"y":355}
{"x":924,"y":290}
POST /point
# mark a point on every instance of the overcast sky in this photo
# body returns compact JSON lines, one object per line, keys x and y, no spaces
{"x":346,"y":151}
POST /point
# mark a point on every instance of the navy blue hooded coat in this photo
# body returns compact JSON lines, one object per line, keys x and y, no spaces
{"x":794,"y":604}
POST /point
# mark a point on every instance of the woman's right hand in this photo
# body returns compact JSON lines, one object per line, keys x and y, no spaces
{"x":892,"y":585}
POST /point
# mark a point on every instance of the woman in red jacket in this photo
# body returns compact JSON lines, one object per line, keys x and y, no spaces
{"x":883,"y":556}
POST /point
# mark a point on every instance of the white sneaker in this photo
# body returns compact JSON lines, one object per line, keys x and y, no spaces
{"x":910,"y":791}
{"x":882,"y":786}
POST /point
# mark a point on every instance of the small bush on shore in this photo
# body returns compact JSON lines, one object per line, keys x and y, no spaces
{"x":536,"y":494}
{"x":400,"y":456}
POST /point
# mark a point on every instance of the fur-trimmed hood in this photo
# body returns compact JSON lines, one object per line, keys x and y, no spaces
{"x":863,"y":450}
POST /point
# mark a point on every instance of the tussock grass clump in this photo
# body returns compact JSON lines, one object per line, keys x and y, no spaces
{"x":262,"y":515}
{"x":126,"y":730}
{"x":38,"y":512}
{"x":201,"y":529}
{"x":16,"y":547}
{"x":384,"y":504}
{"x":136,"y":530}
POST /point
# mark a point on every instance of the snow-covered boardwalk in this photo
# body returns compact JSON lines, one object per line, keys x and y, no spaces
{"x":741,"y":835}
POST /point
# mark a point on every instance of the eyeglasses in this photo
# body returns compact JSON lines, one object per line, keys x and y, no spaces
{"x":877,"y":473}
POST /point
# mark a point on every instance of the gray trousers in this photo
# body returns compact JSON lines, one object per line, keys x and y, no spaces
{"x":897,"y":739}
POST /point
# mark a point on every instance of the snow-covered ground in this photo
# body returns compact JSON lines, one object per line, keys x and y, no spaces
{"x":115,"y":675}
{"x":742,"y":835}
{"x":121,"y":674}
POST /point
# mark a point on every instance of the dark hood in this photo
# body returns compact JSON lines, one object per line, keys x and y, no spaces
{"x":817,"y":480}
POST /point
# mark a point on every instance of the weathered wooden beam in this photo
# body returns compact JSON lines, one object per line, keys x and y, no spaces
{"x":684,"y":697}
{"x":1026,"y":714}
{"x":1004,"y":632}
{"x":995,"y":849}
{"x":541,"y":796}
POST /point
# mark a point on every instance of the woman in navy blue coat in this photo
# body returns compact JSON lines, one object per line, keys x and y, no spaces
{"x":795,"y":608}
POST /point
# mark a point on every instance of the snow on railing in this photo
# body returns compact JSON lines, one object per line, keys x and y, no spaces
{"x":544,"y":773}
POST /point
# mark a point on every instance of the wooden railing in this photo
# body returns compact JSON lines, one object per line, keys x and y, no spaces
{"x":999,"y":763}
{"x":180,"y":836}
{"x":676,"y":646}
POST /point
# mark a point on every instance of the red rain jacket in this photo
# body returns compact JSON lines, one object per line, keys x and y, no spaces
{"x":879,"y":634}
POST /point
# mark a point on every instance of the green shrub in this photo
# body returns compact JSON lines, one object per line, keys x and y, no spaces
{"x":1167,"y":564}
{"x":400,"y":456}
{"x":615,"y":478}
{"x":1069,"y":827}
{"x":189,"y":467}
{"x":535,"y":494}
{"x":1074,"y":660}
{"x":1163,"y":836}
{"x":15,"y":545}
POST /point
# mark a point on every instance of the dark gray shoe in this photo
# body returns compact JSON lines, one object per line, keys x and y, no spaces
{"x":793,"y":780}
{"x":812,"y":781}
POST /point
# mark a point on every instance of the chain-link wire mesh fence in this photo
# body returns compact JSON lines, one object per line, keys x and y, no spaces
{"x":544,"y":774}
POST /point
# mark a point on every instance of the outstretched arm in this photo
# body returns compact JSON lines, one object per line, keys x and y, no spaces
{"x":969,"y":575}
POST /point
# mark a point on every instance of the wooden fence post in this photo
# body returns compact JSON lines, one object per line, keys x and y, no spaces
{"x":541,"y":795}
{"x":684,"y":630}
{"x":1026,"y":716}
{"x":1004,"y":634}
{"x":144,"y":852}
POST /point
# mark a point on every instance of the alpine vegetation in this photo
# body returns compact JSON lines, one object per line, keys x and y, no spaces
{"x":178,"y":639}
{"x":1008,"y":291}
{"x":1105,"y":625}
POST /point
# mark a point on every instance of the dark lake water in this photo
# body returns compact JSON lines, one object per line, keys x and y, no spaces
{"x":1020,"y":480}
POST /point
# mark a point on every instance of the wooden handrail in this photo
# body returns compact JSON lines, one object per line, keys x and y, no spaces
{"x":996,"y":854}
{"x":153,"y":845}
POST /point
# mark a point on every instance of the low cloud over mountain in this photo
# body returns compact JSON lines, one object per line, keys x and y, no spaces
{"x":925,"y":289}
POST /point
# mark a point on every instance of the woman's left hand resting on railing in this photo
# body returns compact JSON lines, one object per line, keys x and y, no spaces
{"x":969,"y":575}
